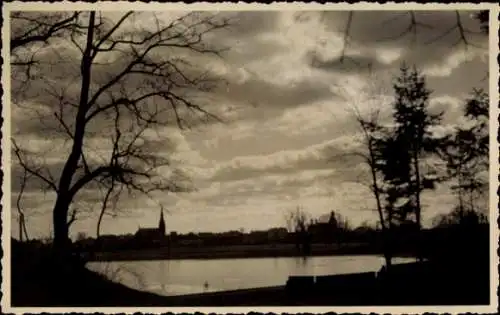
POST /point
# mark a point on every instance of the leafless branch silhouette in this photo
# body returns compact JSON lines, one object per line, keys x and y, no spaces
{"x":137,"y":93}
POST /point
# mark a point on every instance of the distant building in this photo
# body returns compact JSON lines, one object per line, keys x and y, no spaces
{"x":152,"y":235}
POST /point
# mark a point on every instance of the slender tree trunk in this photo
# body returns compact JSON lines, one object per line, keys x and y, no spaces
{"x":99,"y":220}
{"x":22,"y":222}
{"x":376,"y":192}
{"x":460,"y":196}
{"x":387,"y":249}
{"x":64,"y":197}
{"x":21,"y":217}
{"x":418,"y":189}
{"x":471,"y":196}
{"x":103,"y":210}
{"x":25,"y":230}
{"x":418,"y":209}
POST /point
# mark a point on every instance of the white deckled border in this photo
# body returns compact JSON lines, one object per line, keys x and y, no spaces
{"x":362,"y":6}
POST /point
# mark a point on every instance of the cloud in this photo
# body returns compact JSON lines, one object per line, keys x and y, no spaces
{"x":440,"y":131}
{"x":312,"y":157}
{"x":451,"y":106}
{"x":256,"y":92}
{"x":454,"y":60}
{"x":284,"y":115}
{"x":361,"y":62}
{"x":310,"y":119}
{"x":391,"y":28}
{"x":385,"y":39}
{"x":248,"y":24}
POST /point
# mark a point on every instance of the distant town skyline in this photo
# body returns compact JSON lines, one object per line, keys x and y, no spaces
{"x":287,"y":106}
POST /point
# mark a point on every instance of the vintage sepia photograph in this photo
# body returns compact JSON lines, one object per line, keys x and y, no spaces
{"x":243,"y":155}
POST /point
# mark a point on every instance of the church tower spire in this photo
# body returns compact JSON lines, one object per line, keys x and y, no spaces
{"x":161,"y":225}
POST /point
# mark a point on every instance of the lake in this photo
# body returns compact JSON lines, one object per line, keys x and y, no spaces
{"x":190,"y":276}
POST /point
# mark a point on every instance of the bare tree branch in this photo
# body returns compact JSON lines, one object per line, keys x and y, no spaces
{"x":40,"y":31}
{"x":412,"y":29}
{"x":33,"y":171}
{"x":146,"y":86}
{"x":346,"y":35}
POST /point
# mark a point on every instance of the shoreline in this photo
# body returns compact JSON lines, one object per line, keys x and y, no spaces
{"x":42,"y":282}
{"x":235,"y":252}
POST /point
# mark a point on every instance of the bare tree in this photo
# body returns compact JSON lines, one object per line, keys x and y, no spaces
{"x":298,"y":222}
{"x":372,"y":132}
{"x":132,"y":80}
{"x":459,"y":217}
{"x":466,"y":152}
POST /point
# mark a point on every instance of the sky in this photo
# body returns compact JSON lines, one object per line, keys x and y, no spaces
{"x":286,"y":107}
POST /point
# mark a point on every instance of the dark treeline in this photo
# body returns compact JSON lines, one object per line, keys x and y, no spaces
{"x":405,"y":156}
{"x":447,"y":239}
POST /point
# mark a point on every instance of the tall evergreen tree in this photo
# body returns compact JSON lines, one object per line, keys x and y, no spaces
{"x":406,"y":146}
{"x":413,"y":132}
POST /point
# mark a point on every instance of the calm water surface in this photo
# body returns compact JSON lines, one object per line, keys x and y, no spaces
{"x":185,"y":276}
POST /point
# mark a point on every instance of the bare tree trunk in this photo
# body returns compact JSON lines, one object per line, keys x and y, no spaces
{"x":103,"y":210}
{"x":460,"y":196}
{"x":64,"y":197}
{"x":387,"y":249}
{"x":129,"y":164}
{"x":25,"y":229}
{"x":417,"y":190}
{"x":20,"y":227}
{"x":22,"y":222}
{"x":471,"y":196}
{"x":376,"y":192}
{"x":59,"y":217}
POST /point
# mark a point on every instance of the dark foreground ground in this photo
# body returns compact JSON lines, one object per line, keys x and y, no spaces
{"x":86,"y":288}
{"x":77,"y":286}
{"x":459,"y":277}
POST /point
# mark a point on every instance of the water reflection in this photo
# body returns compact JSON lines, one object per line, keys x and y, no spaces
{"x":164,"y":270}
{"x":177,"y":277}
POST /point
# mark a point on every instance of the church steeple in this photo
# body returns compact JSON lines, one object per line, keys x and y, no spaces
{"x":161,"y":225}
